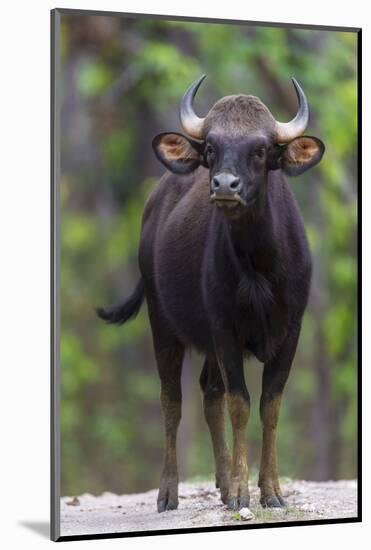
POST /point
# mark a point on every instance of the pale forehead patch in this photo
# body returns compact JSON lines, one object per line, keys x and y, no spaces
{"x":238,"y":115}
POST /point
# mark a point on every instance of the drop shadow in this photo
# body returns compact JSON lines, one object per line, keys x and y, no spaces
{"x":42,"y":528}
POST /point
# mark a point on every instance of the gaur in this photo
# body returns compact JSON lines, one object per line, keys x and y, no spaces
{"x":225,"y":268}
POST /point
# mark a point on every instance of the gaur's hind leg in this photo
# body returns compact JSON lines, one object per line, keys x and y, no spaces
{"x":275,"y":375}
{"x":214,"y":406}
{"x":169,"y":355}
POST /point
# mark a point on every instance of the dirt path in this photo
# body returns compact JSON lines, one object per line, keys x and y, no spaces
{"x":200,"y":506}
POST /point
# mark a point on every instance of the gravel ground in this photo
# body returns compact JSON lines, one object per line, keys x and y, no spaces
{"x":200,"y":506}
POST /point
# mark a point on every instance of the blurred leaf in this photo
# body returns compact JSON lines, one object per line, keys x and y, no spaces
{"x":93,"y":78}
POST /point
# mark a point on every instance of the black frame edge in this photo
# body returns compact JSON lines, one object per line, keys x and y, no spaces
{"x":359,"y":269}
{"x":195,"y":19}
{"x":54,"y":279}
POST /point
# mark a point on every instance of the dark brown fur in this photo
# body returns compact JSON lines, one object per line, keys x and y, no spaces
{"x":231,"y":281}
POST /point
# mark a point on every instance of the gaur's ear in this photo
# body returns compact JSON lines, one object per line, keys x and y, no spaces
{"x":178,"y":153}
{"x":297,"y":156}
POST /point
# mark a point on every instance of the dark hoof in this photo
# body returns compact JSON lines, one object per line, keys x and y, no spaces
{"x":244,"y":502}
{"x":236,"y":503}
{"x":274,"y":501}
{"x":222,"y":482}
{"x":164,"y":504}
{"x":167,"y":498}
{"x":224,"y":498}
{"x":224,"y":494}
{"x":232,"y":503}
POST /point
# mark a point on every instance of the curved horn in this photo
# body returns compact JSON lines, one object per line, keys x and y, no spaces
{"x":190,"y":122}
{"x":286,"y":131}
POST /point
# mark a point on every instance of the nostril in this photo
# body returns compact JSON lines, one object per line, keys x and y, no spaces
{"x":234,"y":184}
{"x":225,"y":183}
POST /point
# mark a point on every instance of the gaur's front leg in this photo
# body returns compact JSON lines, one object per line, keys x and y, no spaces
{"x":214,"y":405}
{"x":230,"y":361}
{"x":275,"y":375}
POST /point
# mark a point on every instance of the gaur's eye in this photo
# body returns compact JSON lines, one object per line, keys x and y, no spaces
{"x":210,"y":151}
{"x":259,"y":152}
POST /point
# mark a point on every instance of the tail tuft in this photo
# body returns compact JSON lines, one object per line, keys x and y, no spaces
{"x":120,"y":313}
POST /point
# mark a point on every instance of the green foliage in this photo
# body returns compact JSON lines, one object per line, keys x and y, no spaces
{"x":166,"y":69}
{"x":93,"y":78}
{"x":122,"y":82}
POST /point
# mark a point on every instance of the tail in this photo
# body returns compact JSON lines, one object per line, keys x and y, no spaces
{"x":126,"y":310}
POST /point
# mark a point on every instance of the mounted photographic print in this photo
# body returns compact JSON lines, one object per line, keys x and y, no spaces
{"x":205,"y":212}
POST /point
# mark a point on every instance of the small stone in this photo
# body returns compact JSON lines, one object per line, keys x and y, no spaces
{"x":246,"y":514}
{"x":74,"y":502}
{"x":307,"y":508}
